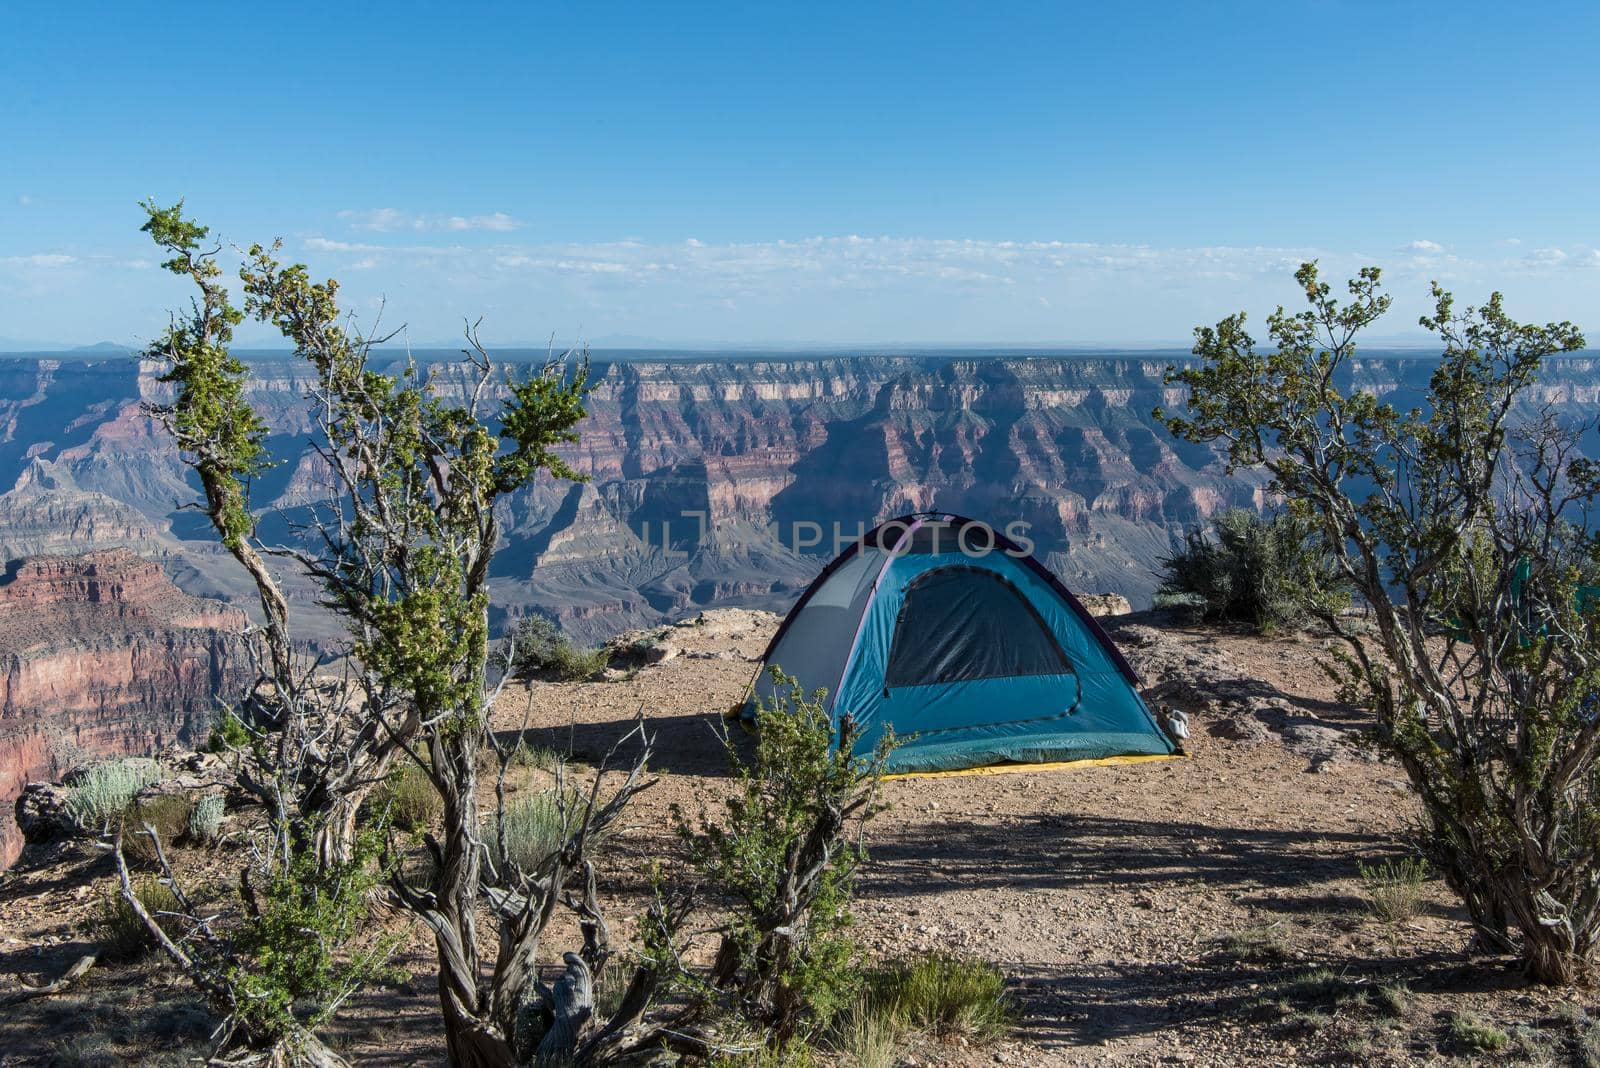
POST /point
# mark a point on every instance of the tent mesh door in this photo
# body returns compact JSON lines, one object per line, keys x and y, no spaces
{"x":959,"y":623}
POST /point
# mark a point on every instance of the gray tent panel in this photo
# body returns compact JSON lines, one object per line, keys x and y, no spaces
{"x":817,"y":642}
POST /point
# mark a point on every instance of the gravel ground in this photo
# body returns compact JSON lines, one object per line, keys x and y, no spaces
{"x":1203,"y":910}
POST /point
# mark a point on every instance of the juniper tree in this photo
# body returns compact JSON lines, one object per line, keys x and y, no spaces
{"x":401,"y":546}
{"x":414,"y":464}
{"x":1464,"y":524}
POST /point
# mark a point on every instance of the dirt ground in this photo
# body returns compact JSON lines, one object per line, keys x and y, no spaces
{"x":1204,"y":910}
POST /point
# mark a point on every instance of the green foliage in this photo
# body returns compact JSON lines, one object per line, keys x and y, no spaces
{"x":210,"y":418}
{"x":122,"y":935}
{"x":1266,"y":942}
{"x":410,"y":798}
{"x":293,"y":958}
{"x":780,"y":854}
{"x":870,"y":1034}
{"x":1457,"y":522}
{"x":540,"y":413}
{"x":573,"y":663}
{"x":1318,"y":984}
{"x":418,"y":460}
{"x":539,"y":650}
{"x":1269,"y":572}
{"x":1396,"y":889}
{"x":205,"y":819}
{"x":104,"y":792}
{"x":530,"y":646}
{"x":945,"y":994}
{"x":1476,"y":1034}
{"x":1394,"y":999}
{"x":530,"y":831}
{"x":533,"y":757}
{"x":228,"y":733}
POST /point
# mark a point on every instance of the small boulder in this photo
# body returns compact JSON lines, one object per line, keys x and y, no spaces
{"x":1105,"y":604}
{"x":1242,"y":727}
{"x":42,"y":812}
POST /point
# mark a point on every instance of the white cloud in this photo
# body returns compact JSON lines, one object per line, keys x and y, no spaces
{"x":844,"y":287}
{"x":24,"y":200}
{"x":852,"y":260}
{"x":391,"y":220}
{"x":40,"y":259}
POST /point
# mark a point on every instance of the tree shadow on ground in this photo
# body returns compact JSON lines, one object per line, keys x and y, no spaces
{"x":394,"y":1026}
{"x":1087,"y":1005}
{"x":1049,"y":851}
{"x":688,"y":744}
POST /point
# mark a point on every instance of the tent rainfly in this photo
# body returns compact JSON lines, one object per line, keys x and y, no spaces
{"x":974,"y":653}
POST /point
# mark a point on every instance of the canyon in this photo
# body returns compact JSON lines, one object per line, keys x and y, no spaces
{"x":709,"y":482}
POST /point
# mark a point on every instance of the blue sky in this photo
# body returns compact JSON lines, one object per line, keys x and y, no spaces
{"x":852,"y":174}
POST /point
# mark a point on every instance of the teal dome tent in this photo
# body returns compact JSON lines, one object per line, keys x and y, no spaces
{"x":976,"y":655}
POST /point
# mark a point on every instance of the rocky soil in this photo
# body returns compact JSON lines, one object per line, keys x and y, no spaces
{"x":1204,"y":910}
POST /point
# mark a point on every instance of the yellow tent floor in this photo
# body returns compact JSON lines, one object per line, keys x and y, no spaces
{"x":1059,"y":765}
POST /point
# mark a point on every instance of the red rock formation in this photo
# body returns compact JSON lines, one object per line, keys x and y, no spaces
{"x":101,"y":655}
{"x":1067,"y":445}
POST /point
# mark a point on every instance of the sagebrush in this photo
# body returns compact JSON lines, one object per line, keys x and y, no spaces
{"x":103,"y":792}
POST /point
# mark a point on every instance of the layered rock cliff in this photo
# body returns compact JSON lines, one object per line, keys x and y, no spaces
{"x":711,"y":482}
{"x":101,"y":655}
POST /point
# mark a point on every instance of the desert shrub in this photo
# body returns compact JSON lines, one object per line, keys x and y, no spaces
{"x":1393,"y":999}
{"x":167,"y":814}
{"x":205,"y":819}
{"x":945,"y":994}
{"x":1264,"y":571}
{"x":1477,"y":1034}
{"x":782,"y":855}
{"x":1266,"y":942}
{"x":538,"y":650}
{"x":304,"y":950}
{"x":409,"y":798}
{"x":870,"y":1034}
{"x":1395,"y":889}
{"x":228,"y":732}
{"x":530,"y":645}
{"x":531,"y":829}
{"x":573,"y":663}
{"x":122,"y":935}
{"x":534,"y":757}
{"x":1318,"y":984}
{"x":104,"y":791}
